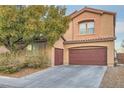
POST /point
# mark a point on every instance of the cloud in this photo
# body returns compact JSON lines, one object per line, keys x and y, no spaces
{"x":120,"y":27}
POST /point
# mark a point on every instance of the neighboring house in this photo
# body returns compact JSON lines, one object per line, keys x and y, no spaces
{"x":88,"y":41}
{"x":120,"y":57}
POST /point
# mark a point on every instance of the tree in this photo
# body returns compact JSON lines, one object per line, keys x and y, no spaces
{"x":25,"y":24}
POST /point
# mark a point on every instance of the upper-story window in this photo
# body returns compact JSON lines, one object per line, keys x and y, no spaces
{"x":86,"y":27}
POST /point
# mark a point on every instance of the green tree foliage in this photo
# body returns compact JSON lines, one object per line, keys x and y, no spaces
{"x":25,"y":24}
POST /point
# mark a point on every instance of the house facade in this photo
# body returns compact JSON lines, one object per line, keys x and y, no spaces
{"x":89,"y":39}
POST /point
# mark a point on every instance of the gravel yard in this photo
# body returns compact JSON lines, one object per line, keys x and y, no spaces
{"x":113,"y":78}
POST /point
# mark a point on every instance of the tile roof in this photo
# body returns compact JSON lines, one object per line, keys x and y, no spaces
{"x":93,"y":10}
{"x":90,"y":40}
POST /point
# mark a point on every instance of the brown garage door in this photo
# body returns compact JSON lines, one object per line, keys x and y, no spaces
{"x":58,"y":56}
{"x":97,"y":56}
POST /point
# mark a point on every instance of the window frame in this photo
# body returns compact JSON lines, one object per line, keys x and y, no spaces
{"x":91,"y":20}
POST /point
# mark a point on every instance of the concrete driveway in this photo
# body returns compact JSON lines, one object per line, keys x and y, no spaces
{"x":72,"y":76}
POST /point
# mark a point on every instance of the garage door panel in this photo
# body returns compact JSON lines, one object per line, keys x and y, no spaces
{"x":96,"y":56}
{"x":58,"y":56}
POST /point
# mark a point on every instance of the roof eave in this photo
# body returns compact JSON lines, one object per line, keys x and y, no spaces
{"x":87,"y":9}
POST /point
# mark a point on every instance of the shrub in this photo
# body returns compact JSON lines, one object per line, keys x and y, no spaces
{"x":10,"y":70}
{"x":14,"y":63}
{"x":37,"y":61}
{"x":2,"y":68}
{"x":6,"y":69}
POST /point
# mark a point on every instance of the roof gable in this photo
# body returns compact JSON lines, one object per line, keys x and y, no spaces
{"x":92,"y":10}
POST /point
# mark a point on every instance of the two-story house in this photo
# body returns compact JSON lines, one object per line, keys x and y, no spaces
{"x":89,"y":39}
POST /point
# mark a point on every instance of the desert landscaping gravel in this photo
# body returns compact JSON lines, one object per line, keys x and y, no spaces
{"x":113,"y":78}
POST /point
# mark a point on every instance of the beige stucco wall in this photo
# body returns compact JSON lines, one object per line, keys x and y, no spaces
{"x":51,"y":50}
{"x":109,"y":45}
{"x":48,"y":53}
{"x":69,"y":33}
{"x":104,"y":26}
{"x":59,"y":43}
{"x":107,"y":25}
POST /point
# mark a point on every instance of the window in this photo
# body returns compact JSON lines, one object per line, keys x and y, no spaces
{"x":86,"y":27}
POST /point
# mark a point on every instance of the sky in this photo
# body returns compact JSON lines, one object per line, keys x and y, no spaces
{"x":119,"y":9}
